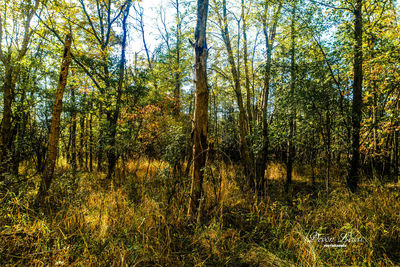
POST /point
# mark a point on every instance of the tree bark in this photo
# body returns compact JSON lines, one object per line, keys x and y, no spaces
{"x":200,"y":121}
{"x":354,"y":175}
{"x":55,"y":122}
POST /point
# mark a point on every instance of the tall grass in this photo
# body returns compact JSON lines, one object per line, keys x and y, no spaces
{"x":140,"y":220}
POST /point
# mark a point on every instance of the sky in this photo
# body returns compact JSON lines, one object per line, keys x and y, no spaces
{"x":150,"y":26}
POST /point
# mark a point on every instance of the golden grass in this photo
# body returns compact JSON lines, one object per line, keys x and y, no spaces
{"x":143,"y":222}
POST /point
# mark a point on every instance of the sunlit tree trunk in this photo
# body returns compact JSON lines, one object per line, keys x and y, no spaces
{"x":55,"y":122}
{"x":200,"y":121}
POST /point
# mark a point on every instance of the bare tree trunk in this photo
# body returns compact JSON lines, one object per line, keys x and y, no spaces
{"x":55,"y":123}
{"x":291,"y":148}
{"x":200,"y":121}
{"x":354,"y":172}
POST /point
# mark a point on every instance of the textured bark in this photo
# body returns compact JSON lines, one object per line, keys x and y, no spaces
{"x":55,"y":122}
{"x":354,"y":172}
{"x":200,"y":121}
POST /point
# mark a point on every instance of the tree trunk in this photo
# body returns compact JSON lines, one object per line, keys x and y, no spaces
{"x":81,"y":141}
{"x":6,"y":134}
{"x":177,"y":89}
{"x":55,"y":123}
{"x":291,"y":148}
{"x":354,"y":175}
{"x":269,"y":43}
{"x":91,"y":143}
{"x":246,"y":157}
{"x":200,"y":121}
{"x":113,"y":120}
{"x":73,"y":129}
{"x":246,"y":65}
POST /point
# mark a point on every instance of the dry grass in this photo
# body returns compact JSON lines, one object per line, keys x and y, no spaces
{"x":142,"y":222}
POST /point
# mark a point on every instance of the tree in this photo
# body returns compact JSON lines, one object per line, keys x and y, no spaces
{"x":17,"y":46}
{"x":55,"y":122}
{"x":292,"y":117}
{"x":356,"y":115}
{"x":200,"y":120}
{"x":246,"y":155}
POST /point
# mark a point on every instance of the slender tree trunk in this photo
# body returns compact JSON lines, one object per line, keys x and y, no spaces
{"x":200,"y":121}
{"x":81,"y":141}
{"x":112,"y":153}
{"x":6,"y":134}
{"x":55,"y":123}
{"x":91,"y":143}
{"x":328,"y":147}
{"x":177,"y":89}
{"x":269,"y":43}
{"x":73,"y":129}
{"x":246,"y":157}
{"x":246,"y":65}
{"x":354,"y":172}
{"x":291,"y":147}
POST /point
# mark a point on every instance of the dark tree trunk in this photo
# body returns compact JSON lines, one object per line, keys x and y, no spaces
{"x":113,"y":119}
{"x":81,"y":141}
{"x":354,"y":172}
{"x":291,"y":147}
{"x":73,"y":129}
{"x":269,"y":43}
{"x":91,"y":143}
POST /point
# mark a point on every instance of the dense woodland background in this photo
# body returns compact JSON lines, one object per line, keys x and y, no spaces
{"x":227,"y":136}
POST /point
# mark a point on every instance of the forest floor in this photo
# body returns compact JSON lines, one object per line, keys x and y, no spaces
{"x":140,"y":220}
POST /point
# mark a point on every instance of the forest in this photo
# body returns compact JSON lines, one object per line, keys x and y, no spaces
{"x":199,"y":133}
